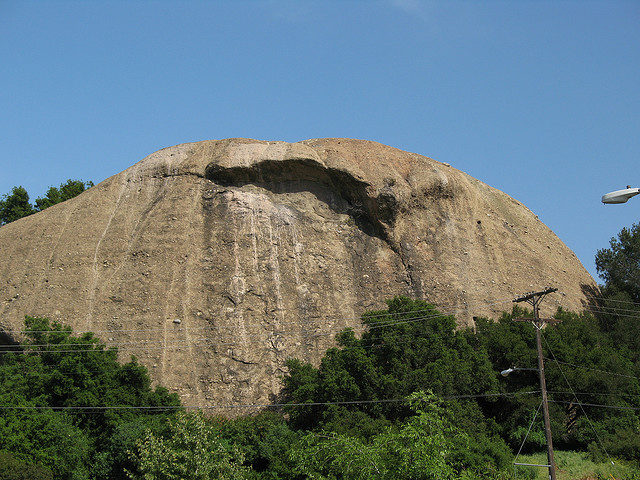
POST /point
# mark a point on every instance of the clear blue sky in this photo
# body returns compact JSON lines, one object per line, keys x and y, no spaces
{"x":540,"y":99}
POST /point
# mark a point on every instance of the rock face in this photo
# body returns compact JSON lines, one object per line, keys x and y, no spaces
{"x":214,"y":262}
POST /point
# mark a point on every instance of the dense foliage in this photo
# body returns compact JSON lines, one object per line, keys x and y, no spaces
{"x":593,"y":384}
{"x":618,"y":311}
{"x":422,"y":447}
{"x":64,"y":398}
{"x":191,"y":448}
{"x":619,"y":265}
{"x":66,"y":191}
{"x":16,"y":205}
{"x":71,"y":411}
{"x":407,"y":348}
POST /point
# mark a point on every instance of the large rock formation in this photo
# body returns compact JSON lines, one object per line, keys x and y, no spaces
{"x":214,"y":262}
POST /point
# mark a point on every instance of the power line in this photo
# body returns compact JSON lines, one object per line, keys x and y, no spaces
{"x":578,"y":401}
{"x":214,"y":341}
{"x":263,"y":336}
{"x":617,"y":407}
{"x":614,"y":311}
{"x":259,"y":405}
{"x":612,"y":308}
{"x":597,"y":312}
{"x":213,"y":328}
{"x":588,"y":368}
{"x":605,"y":299}
{"x":609,"y":394}
{"x":447,"y":312}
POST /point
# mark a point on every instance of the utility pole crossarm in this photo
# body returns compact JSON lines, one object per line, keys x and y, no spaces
{"x":543,"y":320}
{"x":533,"y":295}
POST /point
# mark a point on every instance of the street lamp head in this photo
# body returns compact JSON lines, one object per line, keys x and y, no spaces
{"x":509,"y":370}
{"x":620,"y":196}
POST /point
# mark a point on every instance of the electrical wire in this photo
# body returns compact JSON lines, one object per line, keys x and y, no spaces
{"x":607,"y":304}
{"x":149,"y":345}
{"x":578,"y":401}
{"x":344,"y":319}
{"x":525,"y":437}
{"x":605,"y":299}
{"x":617,"y":407}
{"x":410,"y":338}
{"x":418,"y":317}
{"x":616,"y":312}
{"x":260,"y":405}
{"x":212,"y":342}
{"x":588,"y":368}
{"x":146,"y":343}
{"x":609,"y":394}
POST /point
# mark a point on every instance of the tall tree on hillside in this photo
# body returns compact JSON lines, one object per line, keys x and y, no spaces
{"x":619,"y":266}
{"x":66,"y":191}
{"x":619,"y":309}
{"x":15,"y":205}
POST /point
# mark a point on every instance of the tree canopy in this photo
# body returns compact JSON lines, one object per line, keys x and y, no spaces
{"x":619,"y":265}
{"x":357,"y":388}
{"x":70,"y":410}
{"x":419,"y":448}
{"x":618,"y":309}
{"x":63,"y":398}
{"x":66,"y":191}
{"x":16,"y":205}
{"x":192,"y":448}
{"x":360,"y":387}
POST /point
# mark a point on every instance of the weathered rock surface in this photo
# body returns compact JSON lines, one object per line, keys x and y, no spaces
{"x":215,"y":261}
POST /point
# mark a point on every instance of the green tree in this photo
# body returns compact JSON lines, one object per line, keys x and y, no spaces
{"x":420,"y":448}
{"x":192,"y":448}
{"x":602,"y":373}
{"x":618,"y":310}
{"x":69,"y":371}
{"x":359,"y":387}
{"x":15,"y":205}
{"x":66,"y":191}
{"x":580,"y":359}
{"x":265,"y":440}
{"x":409,"y":347}
{"x":510,"y":344}
{"x":13,"y":469}
{"x":619,"y":265}
{"x":66,"y":396}
{"x":113,"y":459}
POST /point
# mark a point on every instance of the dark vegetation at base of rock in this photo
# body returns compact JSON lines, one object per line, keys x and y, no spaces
{"x":71,"y":411}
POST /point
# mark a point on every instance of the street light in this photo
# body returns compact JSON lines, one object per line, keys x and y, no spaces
{"x":620,"y":196}
{"x":506,"y":372}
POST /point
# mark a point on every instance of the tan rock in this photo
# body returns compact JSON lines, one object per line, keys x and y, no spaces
{"x":214,"y":262}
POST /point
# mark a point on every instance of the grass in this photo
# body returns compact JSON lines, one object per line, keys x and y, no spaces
{"x":575,"y":466}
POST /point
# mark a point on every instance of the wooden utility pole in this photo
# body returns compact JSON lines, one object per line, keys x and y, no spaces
{"x":534,"y":299}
